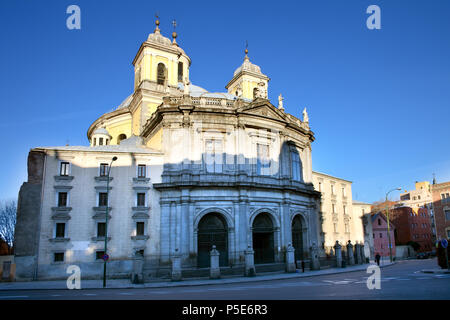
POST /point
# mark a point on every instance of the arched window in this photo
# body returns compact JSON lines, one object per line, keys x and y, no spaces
{"x":121,"y":137}
{"x":180,"y":71}
{"x":161,"y":75}
{"x":296,"y":165}
{"x":255,"y":92}
{"x":95,"y":141}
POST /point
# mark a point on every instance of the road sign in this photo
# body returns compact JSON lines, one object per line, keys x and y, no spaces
{"x":444,"y":243}
{"x":105,"y":257}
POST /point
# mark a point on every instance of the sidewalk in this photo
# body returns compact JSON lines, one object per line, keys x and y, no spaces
{"x":125,"y":283}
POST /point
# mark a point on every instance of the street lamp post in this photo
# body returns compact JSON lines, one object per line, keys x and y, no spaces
{"x":388,"y":228}
{"x":106,"y":221}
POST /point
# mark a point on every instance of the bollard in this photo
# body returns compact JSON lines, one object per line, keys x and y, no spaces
{"x":176,"y":266}
{"x":214,"y":270}
{"x":338,"y":252}
{"x":249,"y":263}
{"x":290,"y":259}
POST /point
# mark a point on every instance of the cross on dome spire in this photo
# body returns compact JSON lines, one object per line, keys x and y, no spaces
{"x":246,"y":50}
{"x":157,"y":23}
{"x":174,"y":33}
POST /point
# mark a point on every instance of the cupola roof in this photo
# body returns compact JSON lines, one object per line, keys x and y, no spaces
{"x":101,"y":131}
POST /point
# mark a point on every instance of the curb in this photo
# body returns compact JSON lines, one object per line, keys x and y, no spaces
{"x":186,"y":283}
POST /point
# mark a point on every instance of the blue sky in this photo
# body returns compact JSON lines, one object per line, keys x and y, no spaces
{"x":378,"y":100}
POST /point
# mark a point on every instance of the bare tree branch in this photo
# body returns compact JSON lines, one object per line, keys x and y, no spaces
{"x":8,"y":216}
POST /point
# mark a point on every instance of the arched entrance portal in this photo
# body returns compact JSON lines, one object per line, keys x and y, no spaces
{"x":297,"y":237}
{"x":212,"y":230}
{"x":263,"y":239}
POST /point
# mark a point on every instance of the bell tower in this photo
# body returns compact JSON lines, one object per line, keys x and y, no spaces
{"x":248,"y":81}
{"x":159,"y":66}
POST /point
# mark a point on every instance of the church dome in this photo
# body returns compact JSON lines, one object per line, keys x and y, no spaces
{"x":125,"y":103}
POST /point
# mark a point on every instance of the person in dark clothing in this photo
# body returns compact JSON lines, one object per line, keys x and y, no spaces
{"x":377,"y":258}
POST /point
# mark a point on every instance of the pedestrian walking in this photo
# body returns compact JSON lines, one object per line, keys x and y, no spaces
{"x":377,"y":258}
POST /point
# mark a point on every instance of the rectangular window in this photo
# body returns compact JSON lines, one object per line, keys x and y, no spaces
{"x":101,"y":229}
{"x":180,"y":72}
{"x":213,"y":155}
{"x":140,"y":228}
{"x":344,"y":193}
{"x":345,"y":209}
{"x":102,"y":199}
{"x":347,"y":229}
{"x":103,"y":169}
{"x":332,"y":189}
{"x":141,"y":199}
{"x":296,"y":167}
{"x":99,"y":255}
{"x":263,"y":159}
{"x":60,"y":230}
{"x":142,"y":171}
{"x":447,"y":214}
{"x":100,"y":141}
{"x":333,"y":208}
{"x":58,"y":257}
{"x":62,"y":199}
{"x":381,"y":235}
{"x":320,"y":186}
{"x":64,"y":169}
{"x":335,"y":227}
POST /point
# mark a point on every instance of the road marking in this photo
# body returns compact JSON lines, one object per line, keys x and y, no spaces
{"x":125,"y":293}
{"x":12,"y":297}
{"x":337,"y":282}
{"x":56,"y":295}
{"x":89,"y":294}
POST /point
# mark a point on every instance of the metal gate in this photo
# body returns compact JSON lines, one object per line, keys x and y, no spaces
{"x":212,"y":230}
{"x":297,"y":237}
{"x":263,"y":242}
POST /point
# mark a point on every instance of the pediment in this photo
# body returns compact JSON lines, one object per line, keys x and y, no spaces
{"x":265,"y":109}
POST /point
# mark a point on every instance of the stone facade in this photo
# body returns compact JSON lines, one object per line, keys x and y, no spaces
{"x":340,"y":216}
{"x":194,"y":170}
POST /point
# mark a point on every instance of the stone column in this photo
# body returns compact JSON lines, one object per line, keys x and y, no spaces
{"x":350,"y":257}
{"x":137,"y":276}
{"x":338,"y":253}
{"x":249,"y":263}
{"x":176,"y":266}
{"x":361,"y":253}
{"x":214,"y":269}
{"x":290,"y":259}
{"x":315,"y":263}
{"x":357,"y":253}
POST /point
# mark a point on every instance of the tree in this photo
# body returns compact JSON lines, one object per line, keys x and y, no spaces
{"x":8,"y":216}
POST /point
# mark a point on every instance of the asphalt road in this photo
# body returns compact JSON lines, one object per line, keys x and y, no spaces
{"x":400,"y":281}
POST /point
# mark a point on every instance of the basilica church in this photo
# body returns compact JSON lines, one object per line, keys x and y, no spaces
{"x":174,"y":170}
